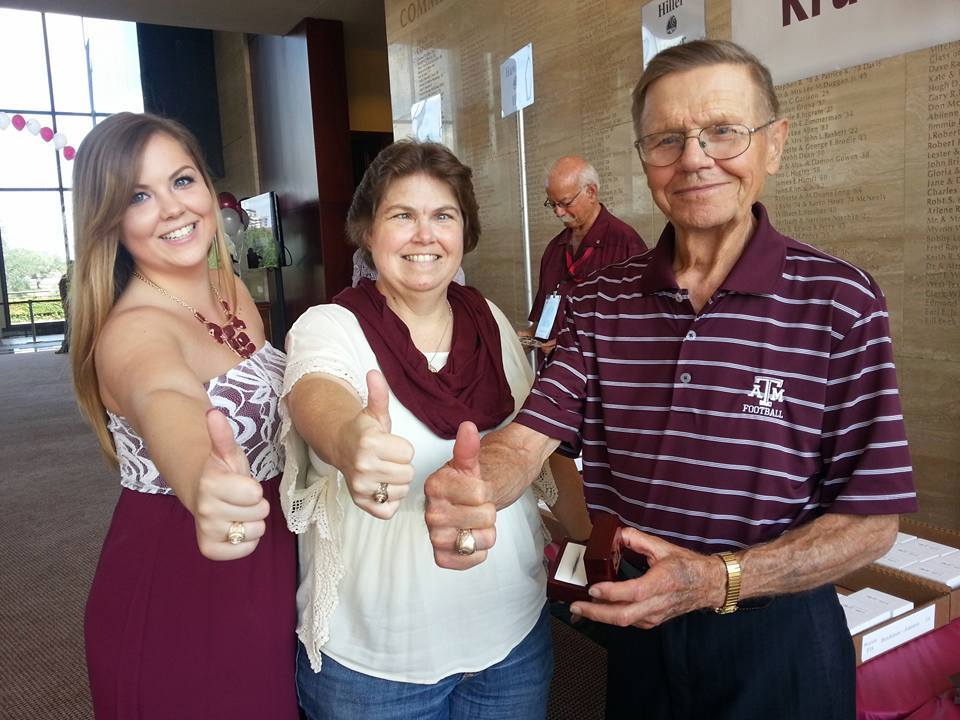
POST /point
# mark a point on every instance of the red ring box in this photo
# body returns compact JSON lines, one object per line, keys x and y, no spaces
{"x":577,"y":566}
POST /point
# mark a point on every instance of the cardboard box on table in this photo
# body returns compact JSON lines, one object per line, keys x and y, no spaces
{"x":939,"y":535}
{"x":931,"y":609}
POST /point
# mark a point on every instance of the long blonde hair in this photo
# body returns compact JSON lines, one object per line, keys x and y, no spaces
{"x":105,"y":172}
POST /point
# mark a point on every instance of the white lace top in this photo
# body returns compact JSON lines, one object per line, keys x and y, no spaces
{"x":248,"y":394}
{"x":371,"y":595}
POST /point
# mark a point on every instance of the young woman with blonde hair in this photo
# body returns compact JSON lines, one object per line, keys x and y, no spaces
{"x":172,"y":369}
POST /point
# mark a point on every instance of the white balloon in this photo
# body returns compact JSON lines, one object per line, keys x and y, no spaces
{"x":231,"y":221}
{"x":4,"y":121}
{"x":59,"y":141}
{"x":33,"y":126}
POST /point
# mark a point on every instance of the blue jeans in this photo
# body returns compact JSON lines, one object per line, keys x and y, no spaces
{"x":516,"y":688}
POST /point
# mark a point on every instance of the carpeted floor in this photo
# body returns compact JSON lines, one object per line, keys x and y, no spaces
{"x":56,"y":497}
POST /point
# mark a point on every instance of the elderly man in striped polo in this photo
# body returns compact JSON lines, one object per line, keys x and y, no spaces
{"x":734,"y":396}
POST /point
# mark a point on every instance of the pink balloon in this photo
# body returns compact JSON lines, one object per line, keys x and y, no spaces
{"x":69,"y":153}
{"x":18,"y":122}
{"x":46,"y":133}
{"x":228,"y":200}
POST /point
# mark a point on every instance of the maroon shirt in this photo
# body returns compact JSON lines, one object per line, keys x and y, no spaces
{"x":774,"y":405}
{"x":612,"y":240}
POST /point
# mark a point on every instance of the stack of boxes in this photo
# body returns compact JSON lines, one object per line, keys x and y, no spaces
{"x":911,"y":590}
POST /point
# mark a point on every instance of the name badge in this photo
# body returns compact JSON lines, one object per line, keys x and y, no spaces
{"x":549,"y":314}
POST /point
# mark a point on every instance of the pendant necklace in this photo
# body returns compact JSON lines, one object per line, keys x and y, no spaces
{"x":231,"y":334}
{"x":433,"y":357}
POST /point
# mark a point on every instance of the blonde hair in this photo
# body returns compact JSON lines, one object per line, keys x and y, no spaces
{"x":105,"y":172}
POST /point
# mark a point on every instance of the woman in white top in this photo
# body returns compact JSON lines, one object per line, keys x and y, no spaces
{"x":377,"y":384}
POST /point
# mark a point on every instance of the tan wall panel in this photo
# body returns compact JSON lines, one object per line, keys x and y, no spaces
{"x":368,"y":90}
{"x":871,"y":172}
{"x":241,"y":176}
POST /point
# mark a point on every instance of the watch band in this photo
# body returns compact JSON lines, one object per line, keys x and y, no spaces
{"x":732,"y":565}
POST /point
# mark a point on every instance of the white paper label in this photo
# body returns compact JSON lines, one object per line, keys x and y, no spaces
{"x":516,"y":81}
{"x":671,"y":22}
{"x":549,"y":314}
{"x":898,"y":632}
{"x":427,"y":119}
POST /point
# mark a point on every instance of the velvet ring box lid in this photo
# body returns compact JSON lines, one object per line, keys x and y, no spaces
{"x":579,"y":566}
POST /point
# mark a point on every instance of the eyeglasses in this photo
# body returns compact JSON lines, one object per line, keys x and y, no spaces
{"x":562,"y":203}
{"x":720,"y":142}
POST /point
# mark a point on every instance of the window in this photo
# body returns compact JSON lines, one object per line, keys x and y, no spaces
{"x":70,"y":73}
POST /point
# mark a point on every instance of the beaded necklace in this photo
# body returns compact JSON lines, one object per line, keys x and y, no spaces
{"x":231,"y":334}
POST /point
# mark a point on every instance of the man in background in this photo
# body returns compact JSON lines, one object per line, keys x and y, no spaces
{"x":592,"y":238}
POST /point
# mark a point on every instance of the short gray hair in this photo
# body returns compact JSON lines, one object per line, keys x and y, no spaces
{"x":588,"y":174}
{"x":697,"y":54}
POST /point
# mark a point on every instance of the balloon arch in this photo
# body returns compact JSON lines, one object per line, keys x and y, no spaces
{"x":33,"y":127}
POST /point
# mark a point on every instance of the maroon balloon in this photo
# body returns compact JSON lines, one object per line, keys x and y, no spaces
{"x":244,"y":219}
{"x":18,"y":122}
{"x":228,"y":200}
{"x":46,"y":133}
{"x":69,"y":152}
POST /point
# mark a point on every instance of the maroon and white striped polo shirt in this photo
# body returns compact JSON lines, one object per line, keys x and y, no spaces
{"x":775,"y":404}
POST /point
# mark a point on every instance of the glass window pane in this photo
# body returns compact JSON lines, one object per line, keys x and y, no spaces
{"x":23,"y":81}
{"x":75,"y":128}
{"x":28,"y":161}
{"x":68,"y":63}
{"x":115,"y":64}
{"x":31,"y":227}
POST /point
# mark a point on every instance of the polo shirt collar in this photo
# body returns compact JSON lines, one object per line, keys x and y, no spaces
{"x":756,"y":272}
{"x":598,"y":230}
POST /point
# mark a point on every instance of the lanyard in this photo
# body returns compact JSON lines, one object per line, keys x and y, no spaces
{"x":573,"y":268}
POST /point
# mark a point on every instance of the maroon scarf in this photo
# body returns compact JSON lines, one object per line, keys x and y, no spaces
{"x":471,"y":386}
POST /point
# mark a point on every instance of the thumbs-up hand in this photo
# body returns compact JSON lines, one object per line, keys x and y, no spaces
{"x":228,"y":501}
{"x":375,"y":463}
{"x":460,"y":506}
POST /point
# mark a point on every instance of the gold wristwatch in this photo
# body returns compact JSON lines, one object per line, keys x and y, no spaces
{"x":733,"y":583}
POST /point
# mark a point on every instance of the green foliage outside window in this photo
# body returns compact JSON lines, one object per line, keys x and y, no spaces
{"x":26,"y":269}
{"x":43,"y":311}
{"x":261,"y":241}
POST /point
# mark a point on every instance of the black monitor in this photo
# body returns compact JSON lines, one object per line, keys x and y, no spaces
{"x":262,"y":248}
{"x":263,"y":238}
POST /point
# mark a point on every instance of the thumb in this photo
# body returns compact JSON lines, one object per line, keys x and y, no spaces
{"x":223,"y":446}
{"x":650,"y":546}
{"x":466,"y":449}
{"x":378,"y":399}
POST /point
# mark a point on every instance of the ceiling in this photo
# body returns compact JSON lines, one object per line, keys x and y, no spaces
{"x":363,"y":20}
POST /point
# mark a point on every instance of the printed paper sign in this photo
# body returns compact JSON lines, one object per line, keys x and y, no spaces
{"x":801,"y":38}
{"x":670,"y":22}
{"x":427,"y":120}
{"x":516,"y":81}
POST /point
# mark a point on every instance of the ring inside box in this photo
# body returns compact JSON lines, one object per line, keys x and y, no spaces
{"x":577,"y":566}
{"x":571,"y":568}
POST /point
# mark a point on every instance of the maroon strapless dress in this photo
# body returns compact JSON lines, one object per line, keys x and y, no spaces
{"x":171,"y":634}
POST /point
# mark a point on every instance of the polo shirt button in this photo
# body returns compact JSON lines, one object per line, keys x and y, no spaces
{"x":685,"y":377}
{"x":691,"y":335}
{"x":678,"y":297}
